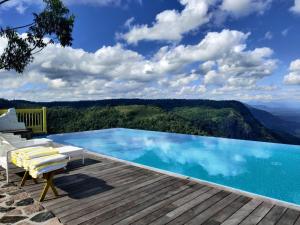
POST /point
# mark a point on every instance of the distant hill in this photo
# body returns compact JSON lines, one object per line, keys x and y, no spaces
{"x":230,"y":119}
{"x":276,"y":123}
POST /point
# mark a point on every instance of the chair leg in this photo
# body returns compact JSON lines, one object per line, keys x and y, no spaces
{"x":7,"y":176}
{"x":52,"y":185}
{"x":26,"y":174}
{"x":45,"y":190}
{"x":49,"y":183}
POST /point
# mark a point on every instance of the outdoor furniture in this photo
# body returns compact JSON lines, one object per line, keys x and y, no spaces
{"x":9,"y":121}
{"x":40,"y":162}
{"x":49,"y":183}
{"x":7,"y":147}
{"x":72,"y":152}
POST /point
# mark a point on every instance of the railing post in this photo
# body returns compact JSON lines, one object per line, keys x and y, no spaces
{"x":44,"y":120}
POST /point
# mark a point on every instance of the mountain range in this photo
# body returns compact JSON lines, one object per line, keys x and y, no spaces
{"x":229,"y":119}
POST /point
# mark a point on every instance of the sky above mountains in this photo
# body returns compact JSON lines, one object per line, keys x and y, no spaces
{"x":246,"y":50}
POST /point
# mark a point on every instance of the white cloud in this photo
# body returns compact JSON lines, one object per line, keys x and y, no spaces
{"x":285,"y":32}
{"x":220,"y":62}
{"x":170,"y":25}
{"x":293,"y":77}
{"x":20,"y":5}
{"x":101,"y":2}
{"x":268,"y":35}
{"x":296,"y":7}
{"x":245,"y":7}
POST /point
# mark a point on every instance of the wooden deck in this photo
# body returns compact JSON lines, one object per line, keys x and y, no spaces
{"x":109,"y":192}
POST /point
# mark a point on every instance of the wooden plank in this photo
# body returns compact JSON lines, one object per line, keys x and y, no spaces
{"x":289,"y":217}
{"x":95,"y":217}
{"x":92,"y":194}
{"x":256,"y":216}
{"x":273,"y":216}
{"x":121,"y":190}
{"x":180,"y":210}
{"x":209,"y":212}
{"x":161,"y":208}
{"x":95,"y":207}
{"x":124,"y":211}
{"x":221,"y":216}
{"x":186,"y":216}
{"x":242,"y":213}
{"x":297,"y":221}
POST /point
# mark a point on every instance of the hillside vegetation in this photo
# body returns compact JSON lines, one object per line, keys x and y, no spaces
{"x":224,"y":122}
{"x":230,"y":119}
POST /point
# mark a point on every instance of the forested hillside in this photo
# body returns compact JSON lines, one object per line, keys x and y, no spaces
{"x":229,"y":119}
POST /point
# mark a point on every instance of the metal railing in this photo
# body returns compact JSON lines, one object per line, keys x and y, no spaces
{"x":35,"y":119}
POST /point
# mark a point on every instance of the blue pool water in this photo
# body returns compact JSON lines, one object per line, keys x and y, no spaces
{"x":272,"y":170}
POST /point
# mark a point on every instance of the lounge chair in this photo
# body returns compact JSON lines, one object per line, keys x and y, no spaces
{"x":40,"y":161}
{"x":7,"y":148}
{"x":9,"y":121}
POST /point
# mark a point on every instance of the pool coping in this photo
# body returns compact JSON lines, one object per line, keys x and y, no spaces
{"x":212,"y":184}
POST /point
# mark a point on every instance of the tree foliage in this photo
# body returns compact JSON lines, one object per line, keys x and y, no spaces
{"x":54,"y":23}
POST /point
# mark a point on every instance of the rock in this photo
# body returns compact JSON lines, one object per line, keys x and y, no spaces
{"x":8,"y":185}
{"x":15,"y":212}
{"x":25,"y":223}
{"x":4,"y":210}
{"x":9,"y":189}
{"x":15,"y":192}
{"x":30,"y":209}
{"x":9,"y":203}
{"x":12,"y":219}
{"x":2,"y":196}
{"x":42,"y":217}
{"x":24,"y":202}
{"x":20,"y":196}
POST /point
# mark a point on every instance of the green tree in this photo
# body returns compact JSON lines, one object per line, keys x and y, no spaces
{"x":54,"y":23}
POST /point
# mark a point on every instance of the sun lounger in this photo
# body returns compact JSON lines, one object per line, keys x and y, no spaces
{"x":41,"y":161}
{"x":8,"y":147}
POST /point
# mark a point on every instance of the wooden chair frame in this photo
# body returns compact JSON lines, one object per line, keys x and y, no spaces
{"x":49,"y":183}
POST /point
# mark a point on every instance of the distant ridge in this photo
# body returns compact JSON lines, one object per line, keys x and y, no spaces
{"x":231,"y":119}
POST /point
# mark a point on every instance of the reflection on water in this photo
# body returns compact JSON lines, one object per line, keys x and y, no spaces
{"x":257,"y":167}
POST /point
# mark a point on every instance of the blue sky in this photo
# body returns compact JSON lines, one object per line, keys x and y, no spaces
{"x":246,"y":50}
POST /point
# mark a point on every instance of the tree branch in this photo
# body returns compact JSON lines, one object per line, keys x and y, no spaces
{"x":33,"y":53}
{"x":20,"y":27}
{"x":3,"y":1}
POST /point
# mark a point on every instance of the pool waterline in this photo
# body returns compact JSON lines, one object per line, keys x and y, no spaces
{"x":235,"y":164}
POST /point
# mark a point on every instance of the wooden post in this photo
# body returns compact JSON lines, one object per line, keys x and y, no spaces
{"x":44,"y":120}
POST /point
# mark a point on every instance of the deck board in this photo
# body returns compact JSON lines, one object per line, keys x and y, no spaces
{"x":104,"y":191}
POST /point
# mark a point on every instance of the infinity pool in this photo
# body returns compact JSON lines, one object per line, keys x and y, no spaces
{"x":272,"y":170}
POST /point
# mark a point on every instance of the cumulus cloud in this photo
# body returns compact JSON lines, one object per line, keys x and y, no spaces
{"x":245,"y":7}
{"x":20,"y":5}
{"x":170,"y":25}
{"x":101,"y":2}
{"x":293,"y":77}
{"x":296,"y":7}
{"x":221,"y":60}
{"x":194,"y":15}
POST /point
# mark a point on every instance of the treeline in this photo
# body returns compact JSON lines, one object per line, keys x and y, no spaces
{"x":230,"y":119}
{"x":220,"y":122}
